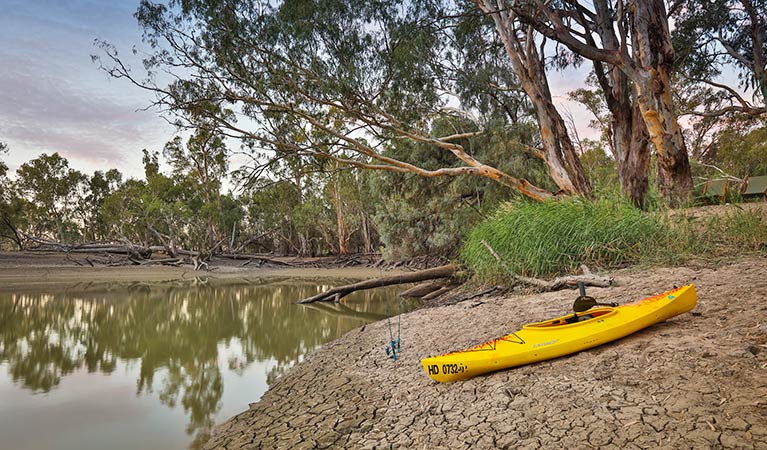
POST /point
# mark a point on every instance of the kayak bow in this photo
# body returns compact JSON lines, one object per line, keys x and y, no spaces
{"x":561,"y":336}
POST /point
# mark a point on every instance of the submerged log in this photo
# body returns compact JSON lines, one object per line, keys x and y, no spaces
{"x":341,"y":310}
{"x":337,"y":293}
{"x":438,"y":293}
{"x":422,"y":289}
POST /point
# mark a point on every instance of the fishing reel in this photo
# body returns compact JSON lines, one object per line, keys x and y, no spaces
{"x":393,"y":349}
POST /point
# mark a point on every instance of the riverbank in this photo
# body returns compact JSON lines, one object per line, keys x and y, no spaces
{"x":39,"y":269}
{"x":695,"y":381}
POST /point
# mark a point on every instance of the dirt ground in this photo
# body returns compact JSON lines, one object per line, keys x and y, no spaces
{"x":695,"y":381}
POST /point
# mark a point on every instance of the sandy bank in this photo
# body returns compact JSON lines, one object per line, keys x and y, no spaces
{"x":695,"y":381}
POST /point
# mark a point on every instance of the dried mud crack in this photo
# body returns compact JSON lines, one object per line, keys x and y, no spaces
{"x":696,"y":381}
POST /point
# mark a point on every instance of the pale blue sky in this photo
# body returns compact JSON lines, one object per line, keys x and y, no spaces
{"x":53,"y":98}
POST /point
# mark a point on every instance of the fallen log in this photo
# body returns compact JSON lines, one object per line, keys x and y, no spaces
{"x":250,"y":258}
{"x":413,"y":277}
{"x":571,"y":281}
{"x":439,"y":292}
{"x":165,"y":262}
{"x":422,"y":289}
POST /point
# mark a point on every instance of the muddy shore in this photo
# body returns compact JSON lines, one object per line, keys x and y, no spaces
{"x":696,"y":381}
{"x":38,"y":269}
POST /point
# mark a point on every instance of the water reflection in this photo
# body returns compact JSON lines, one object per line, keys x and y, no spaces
{"x":175,"y":333}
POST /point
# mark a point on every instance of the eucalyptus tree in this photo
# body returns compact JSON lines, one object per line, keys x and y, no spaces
{"x":90,"y":201}
{"x":422,"y":217}
{"x":50,"y":185}
{"x":151,"y":210}
{"x":716,"y":41}
{"x":11,"y":207}
{"x":4,"y":181}
{"x":742,"y":152}
{"x":634,"y":37}
{"x":124,"y":212}
{"x":714,"y":38}
{"x":345,"y":76}
{"x":203,"y":164}
{"x":528,"y":63}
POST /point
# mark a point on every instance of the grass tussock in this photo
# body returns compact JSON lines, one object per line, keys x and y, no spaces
{"x":735,"y":231}
{"x":555,"y":238}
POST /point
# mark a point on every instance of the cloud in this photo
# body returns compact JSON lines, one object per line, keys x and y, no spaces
{"x":54,"y":99}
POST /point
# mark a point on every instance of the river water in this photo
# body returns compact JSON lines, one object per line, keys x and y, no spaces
{"x":155,"y":366}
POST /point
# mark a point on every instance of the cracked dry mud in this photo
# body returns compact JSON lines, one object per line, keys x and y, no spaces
{"x":695,"y":381}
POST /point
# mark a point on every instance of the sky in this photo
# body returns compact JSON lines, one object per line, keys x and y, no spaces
{"x":53,"y":98}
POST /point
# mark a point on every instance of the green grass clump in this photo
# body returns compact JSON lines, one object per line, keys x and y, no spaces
{"x":557,"y":237}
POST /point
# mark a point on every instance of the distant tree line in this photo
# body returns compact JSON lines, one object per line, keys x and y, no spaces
{"x":180,"y":203}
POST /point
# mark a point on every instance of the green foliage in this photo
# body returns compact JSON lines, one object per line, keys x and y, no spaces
{"x":333,"y":81}
{"x":599,"y":167}
{"x":712,"y":35}
{"x":12,"y":206}
{"x":123,"y":211}
{"x":50,"y":185}
{"x":742,"y":154}
{"x":198,"y":169}
{"x":302,"y":54}
{"x":417,"y":216}
{"x":485,"y":81}
{"x":556,"y":237}
{"x":311,"y":213}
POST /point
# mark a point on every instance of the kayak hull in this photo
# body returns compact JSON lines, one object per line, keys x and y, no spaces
{"x":556,"y":337}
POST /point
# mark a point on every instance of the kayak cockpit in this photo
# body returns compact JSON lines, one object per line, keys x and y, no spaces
{"x":571,"y":319}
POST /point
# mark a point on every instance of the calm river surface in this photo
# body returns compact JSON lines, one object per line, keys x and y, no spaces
{"x":155,"y":366}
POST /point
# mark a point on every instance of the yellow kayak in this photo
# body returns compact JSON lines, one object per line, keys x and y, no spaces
{"x":558,"y":337}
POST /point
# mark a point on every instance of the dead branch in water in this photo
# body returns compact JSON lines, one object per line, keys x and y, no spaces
{"x":422,"y":275}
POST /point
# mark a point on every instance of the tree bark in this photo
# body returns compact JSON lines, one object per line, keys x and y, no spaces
{"x":629,"y":133}
{"x":342,"y":228}
{"x":654,"y":58}
{"x":648,"y":67}
{"x":632,"y":151}
{"x":563,"y":162}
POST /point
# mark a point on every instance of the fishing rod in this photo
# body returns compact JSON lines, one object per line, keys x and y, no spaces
{"x":394,"y":347}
